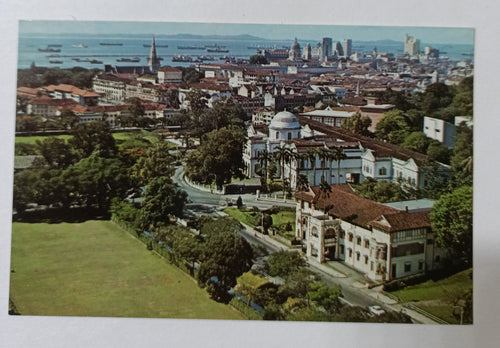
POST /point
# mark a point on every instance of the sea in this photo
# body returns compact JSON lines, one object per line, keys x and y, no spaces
{"x":80,"y":50}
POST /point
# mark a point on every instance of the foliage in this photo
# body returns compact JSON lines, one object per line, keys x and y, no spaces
{"x":257,"y":59}
{"x":461,"y":160}
{"x":162,"y":200}
{"x":463,"y":99}
{"x":25,"y":149}
{"x":392,"y":127}
{"x":451,"y":219}
{"x":155,"y":163}
{"x":190,"y":75}
{"x":283,"y":263}
{"x":357,"y":124}
{"x":438,"y":152}
{"x":218,"y":158}
{"x":56,"y":152}
{"x":225,"y":256}
{"x":326,"y":297}
{"x":41,"y":76}
{"x":92,"y":136}
{"x":437,"y":97}
{"x":416,"y":141}
{"x":382,"y":191}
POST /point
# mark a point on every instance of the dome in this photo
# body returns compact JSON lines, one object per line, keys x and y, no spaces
{"x":284,"y":120}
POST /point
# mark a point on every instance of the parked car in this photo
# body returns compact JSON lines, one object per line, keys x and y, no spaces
{"x":376,"y":310}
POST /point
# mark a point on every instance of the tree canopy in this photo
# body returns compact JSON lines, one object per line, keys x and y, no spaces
{"x":357,"y":124}
{"x":393,"y":127}
{"x":451,"y":219}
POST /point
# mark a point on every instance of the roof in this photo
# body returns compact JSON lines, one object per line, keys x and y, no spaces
{"x":70,"y":89}
{"x":329,"y":112}
{"x":284,"y":120}
{"x":344,"y":204}
{"x":169,"y":69}
{"x":380,"y":148}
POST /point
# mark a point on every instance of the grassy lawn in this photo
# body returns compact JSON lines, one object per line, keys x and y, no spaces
{"x":96,"y":269}
{"x":34,"y":138}
{"x":243,"y":215}
{"x":437,"y":297}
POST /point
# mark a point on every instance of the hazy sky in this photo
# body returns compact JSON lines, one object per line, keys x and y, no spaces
{"x":267,"y":31}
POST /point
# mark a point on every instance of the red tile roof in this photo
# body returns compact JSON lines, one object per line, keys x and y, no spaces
{"x":342,"y":203}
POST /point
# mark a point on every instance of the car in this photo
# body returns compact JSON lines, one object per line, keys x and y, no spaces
{"x":376,"y":310}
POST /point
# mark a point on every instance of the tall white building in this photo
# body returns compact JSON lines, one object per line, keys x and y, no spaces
{"x":412,"y":46}
{"x":347,"y":47}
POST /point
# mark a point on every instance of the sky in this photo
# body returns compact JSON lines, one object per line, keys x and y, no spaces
{"x":431,"y":35}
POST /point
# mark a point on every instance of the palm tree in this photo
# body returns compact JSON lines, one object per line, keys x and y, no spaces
{"x":311,"y":156}
{"x":325,"y":190}
{"x":323,"y":155}
{"x":281,"y":155}
{"x":302,"y":182}
{"x":264,"y":159}
{"x":338,"y":155}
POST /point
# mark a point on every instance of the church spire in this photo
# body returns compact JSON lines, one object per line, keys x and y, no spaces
{"x":153,"y":61}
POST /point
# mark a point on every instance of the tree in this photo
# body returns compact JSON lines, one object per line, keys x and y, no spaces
{"x":438,"y":152}
{"x":225,"y":256}
{"x":92,"y":136}
{"x":357,"y":124}
{"x":162,"y":200}
{"x":416,"y":141}
{"x":338,"y":154}
{"x":264,"y":158}
{"x":155,"y":163}
{"x":311,"y":156}
{"x":283,"y":263}
{"x":257,"y":59}
{"x":463,"y":100}
{"x":68,"y":119}
{"x":56,"y":152}
{"x":302,"y":182}
{"x":451,"y":219}
{"x":392,"y":127}
{"x":218,"y":157}
{"x":461,"y":160}
{"x":326,"y":297}
{"x":436,"y":96}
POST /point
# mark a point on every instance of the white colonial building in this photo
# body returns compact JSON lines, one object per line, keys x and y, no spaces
{"x":380,"y":241}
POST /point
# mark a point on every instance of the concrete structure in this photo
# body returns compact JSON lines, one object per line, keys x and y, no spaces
{"x":412,"y":46}
{"x":347,"y":47}
{"x":329,"y":116}
{"x":440,"y":130}
{"x":326,"y":48}
{"x":382,"y":242}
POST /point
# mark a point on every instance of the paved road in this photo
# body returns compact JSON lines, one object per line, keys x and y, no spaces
{"x":355,"y":293}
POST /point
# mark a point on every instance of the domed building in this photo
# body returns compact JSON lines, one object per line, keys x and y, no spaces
{"x":284,"y":127}
{"x":295,"y":53}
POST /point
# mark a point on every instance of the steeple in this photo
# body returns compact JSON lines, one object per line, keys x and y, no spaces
{"x":153,"y":61}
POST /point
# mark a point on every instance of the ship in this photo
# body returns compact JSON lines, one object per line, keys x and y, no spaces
{"x":95,"y":61}
{"x":79,"y":46}
{"x":190,"y":47}
{"x":156,"y":45}
{"x":56,"y":61}
{"x":217,"y":50}
{"x":132,"y":60}
{"x":49,"y":49}
{"x":110,"y":44}
{"x":182,"y":58}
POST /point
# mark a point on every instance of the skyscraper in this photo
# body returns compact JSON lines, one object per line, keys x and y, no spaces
{"x":326,"y":48}
{"x":412,"y":45}
{"x":347,"y":46}
{"x":153,"y":61}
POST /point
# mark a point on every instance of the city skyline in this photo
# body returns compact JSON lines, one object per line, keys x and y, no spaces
{"x":429,"y":35}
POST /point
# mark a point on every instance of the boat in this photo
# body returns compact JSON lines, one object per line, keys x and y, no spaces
{"x":95,"y":61}
{"x":79,"y":46}
{"x":49,"y":49}
{"x":467,"y":54}
{"x":133,"y":59}
{"x":110,"y":44}
{"x":217,"y":50}
{"x":214,"y":46}
{"x":56,"y":61}
{"x":157,"y":45}
{"x":182,"y":58}
{"x":190,"y":47}
{"x":53,"y":55}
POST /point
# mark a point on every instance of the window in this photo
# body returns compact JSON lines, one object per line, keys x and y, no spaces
{"x":367,"y":243}
{"x":350,"y":252}
{"x":350,"y":237}
{"x":407,"y":266}
{"x":358,"y":255}
{"x":371,"y":265}
{"x":277,"y":135}
{"x":289,"y":136}
{"x":358,"y":240}
{"x":366,"y":259}
{"x":420,"y":265}
{"x":342,"y":251}
{"x":382,"y":171}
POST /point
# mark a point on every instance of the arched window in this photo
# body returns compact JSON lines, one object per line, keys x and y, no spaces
{"x":314,"y":231}
{"x":382,"y":171}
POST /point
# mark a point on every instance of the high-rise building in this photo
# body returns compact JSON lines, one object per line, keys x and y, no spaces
{"x":307,"y":52}
{"x":153,"y":59}
{"x":338,"y":49}
{"x":326,"y":48}
{"x":412,"y":45}
{"x":347,"y":46}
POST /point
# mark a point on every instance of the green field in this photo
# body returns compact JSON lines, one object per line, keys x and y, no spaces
{"x":437,"y":297}
{"x":96,"y":269}
{"x":32,"y":139}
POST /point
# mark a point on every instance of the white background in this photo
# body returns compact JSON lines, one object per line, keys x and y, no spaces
{"x":111,"y":332}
